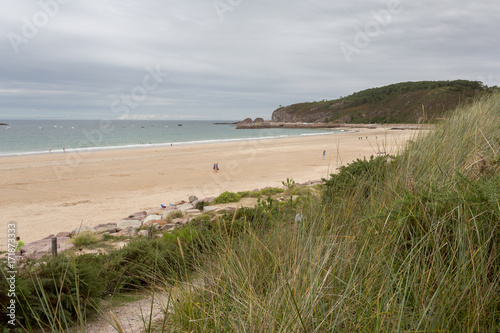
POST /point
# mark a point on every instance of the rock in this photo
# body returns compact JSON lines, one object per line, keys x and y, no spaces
{"x":209,"y":199}
{"x":143,"y":233}
{"x":210,"y":208}
{"x":159,"y":222}
{"x":80,"y":230}
{"x":258,"y":120}
{"x":49,"y":236}
{"x":137,"y":216}
{"x":128,"y":223}
{"x":150,"y":218}
{"x":194,"y":203}
{"x":185,"y":207}
{"x":167,"y":226}
{"x":193,"y":211}
{"x":246,"y":121}
{"x":193,"y":198}
{"x":127,"y":232}
{"x":108,"y":227}
{"x":180,"y":221}
{"x":179,"y":203}
{"x":255,"y":190}
{"x":63,"y":234}
{"x":37,"y":249}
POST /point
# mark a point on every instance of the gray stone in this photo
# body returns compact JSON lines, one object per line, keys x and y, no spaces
{"x":193,"y":198}
{"x":167,"y":226}
{"x":180,"y":221}
{"x":127,"y":232}
{"x":108,"y":227}
{"x":128,"y":223}
{"x":49,"y":236}
{"x":143,"y":233}
{"x":210,"y":208}
{"x":64,"y":234}
{"x":37,"y":249}
{"x":209,"y":199}
{"x":193,"y":211}
{"x":137,"y":216}
{"x":150,"y":218}
{"x":80,"y":230}
{"x":185,"y":207}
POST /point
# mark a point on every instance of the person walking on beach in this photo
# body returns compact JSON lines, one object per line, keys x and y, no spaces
{"x":19,"y":246}
{"x":324,"y":154}
{"x":214,"y":167}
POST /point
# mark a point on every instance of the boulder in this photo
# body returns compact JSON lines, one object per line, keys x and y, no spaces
{"x":179,"y":203}
{"x":108,"y":227}
{"x":137,"y":216}
{"x":150,"y":218}
{"x":49,"y":236}
{"x":80,"y":230}
{"x":193,"y":198}
{"x":193,"y":211}
{"x":128,"y":223}
{"x":209,"y":199}
{"x":37,"y":249}
{"x":127,"y":232}
{"x":246,"y":121}
{"x":153,"y":222}
{"x":180,"y":221}
{"x":167,"y":226}
{"x":185,"y":207}
{"x":63,"y":234}
{"x":143,"y":233}
{"x":258,"y":120}
{"x":210,"y":208}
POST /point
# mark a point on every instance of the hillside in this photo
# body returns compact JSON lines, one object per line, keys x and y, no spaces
{"x":406,"y":102}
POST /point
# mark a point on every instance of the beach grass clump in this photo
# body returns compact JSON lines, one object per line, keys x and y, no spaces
{"x":396,"y":244}
{"x":226,"y":197}
{"x":85,"y":239}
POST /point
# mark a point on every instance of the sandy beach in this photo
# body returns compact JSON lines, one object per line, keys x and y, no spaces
{"x":50,"y":193}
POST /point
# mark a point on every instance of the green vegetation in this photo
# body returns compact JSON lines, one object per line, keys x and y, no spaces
{"x":406,"y":102}
{"x":85,"y":238}
{"x":226,"y":197}
{"x":406,"y":243}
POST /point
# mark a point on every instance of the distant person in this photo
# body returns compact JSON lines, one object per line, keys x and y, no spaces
{"x":64,"y":150}
{"x":324,"y":154}
{"x":214,"y":167}
{"x":19,"y":246}
{"x":217,"y":167}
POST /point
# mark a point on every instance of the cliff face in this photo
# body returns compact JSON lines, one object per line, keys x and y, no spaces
{"x":408,"y":102}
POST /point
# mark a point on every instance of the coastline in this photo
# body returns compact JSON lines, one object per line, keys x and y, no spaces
{"x":50,"y":193}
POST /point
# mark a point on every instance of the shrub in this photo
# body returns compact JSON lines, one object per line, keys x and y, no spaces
{"x":226,"y":197}
{"x":85,"y":239}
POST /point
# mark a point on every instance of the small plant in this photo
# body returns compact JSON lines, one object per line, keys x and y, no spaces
{"x":226,"y":197}
{"x":201,"y":204}
{"x":85,"y":239}
{"x":175,"y":214}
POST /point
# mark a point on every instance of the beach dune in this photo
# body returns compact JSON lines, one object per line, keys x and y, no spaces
{"x":50,"y":193}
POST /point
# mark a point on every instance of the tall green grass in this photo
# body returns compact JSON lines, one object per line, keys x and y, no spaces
{"x":396,"y":244}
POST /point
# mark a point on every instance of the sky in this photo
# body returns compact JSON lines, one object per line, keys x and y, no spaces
{"x":230,"y":59}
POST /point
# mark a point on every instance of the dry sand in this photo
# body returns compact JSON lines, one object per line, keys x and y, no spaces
{"x":46,"y":194}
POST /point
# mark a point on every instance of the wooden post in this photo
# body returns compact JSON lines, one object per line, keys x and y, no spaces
{"x":150,"y":232}
{"x":54,"y":246}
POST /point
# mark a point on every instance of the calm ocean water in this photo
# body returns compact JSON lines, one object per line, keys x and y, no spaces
{"x":26,"y":137}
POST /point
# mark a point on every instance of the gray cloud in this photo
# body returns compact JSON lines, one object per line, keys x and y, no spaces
{"x":75,"y":58}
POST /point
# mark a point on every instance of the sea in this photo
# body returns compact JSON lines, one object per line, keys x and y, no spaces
{"x":30,"y":137}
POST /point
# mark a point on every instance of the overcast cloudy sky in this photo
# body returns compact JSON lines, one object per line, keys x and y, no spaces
{"x":230,"y":59}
